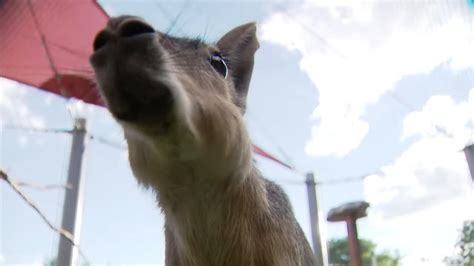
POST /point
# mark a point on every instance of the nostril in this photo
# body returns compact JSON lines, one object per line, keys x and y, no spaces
{"x":100,"y":40}
{"x":134,"y":27}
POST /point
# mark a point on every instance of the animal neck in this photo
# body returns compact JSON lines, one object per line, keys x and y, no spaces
{"x":206,"y":177}
{"x":194,"y":189}
{"x":207,"y":187}
{"x":212,"y":223}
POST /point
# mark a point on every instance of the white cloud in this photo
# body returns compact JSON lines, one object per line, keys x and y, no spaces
{"x":355,"y":52}
{"x":429,"y":172}
{"x":421,"y":261}
{"x":434,"y":168}
{"x":442,"y":116}
{"x":427,"y":190}
{"x":424,"y":237}
{"x":14,"y":109}
{"x":13,"y":106}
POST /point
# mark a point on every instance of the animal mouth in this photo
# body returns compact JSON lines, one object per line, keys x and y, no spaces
{"x":140,"y":109}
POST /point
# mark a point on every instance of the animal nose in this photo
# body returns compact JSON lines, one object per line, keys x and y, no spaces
{"x":101,"y":40}
{"x":133,"y":27}
{"x":127,"y":28}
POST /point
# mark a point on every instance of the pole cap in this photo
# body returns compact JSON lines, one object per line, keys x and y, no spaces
{"x":356,"y":209}
{"x":80,"y":123}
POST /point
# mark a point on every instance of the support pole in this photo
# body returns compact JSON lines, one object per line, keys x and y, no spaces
{"x":319,"y":247}
{"x":74,"y":197}
{"x":349,"y":213}
{"x":354,"y":247}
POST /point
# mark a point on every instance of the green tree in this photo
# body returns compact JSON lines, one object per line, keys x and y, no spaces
{"x":339,"y":253}
{"x":466,"y":243}
{"x":464,"y":246}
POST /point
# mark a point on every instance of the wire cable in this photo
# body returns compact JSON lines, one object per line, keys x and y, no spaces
{"x":280,"y":149}
{"x":62,"y":232}
{"x":44,"y":43}
{"x":30,"y":129}
{"x":107,"y":142}
{"x":40,"y":186}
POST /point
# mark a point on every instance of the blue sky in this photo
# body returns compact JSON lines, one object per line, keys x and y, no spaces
{"x":344,"y":88}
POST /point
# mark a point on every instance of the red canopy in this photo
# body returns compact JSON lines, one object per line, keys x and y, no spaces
{"x":47,"y":43}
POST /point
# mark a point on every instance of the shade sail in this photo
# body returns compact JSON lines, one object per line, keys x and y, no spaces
{"x":47,"y":43}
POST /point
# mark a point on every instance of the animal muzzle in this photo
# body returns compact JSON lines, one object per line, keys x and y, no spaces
{"x":130,"y":68}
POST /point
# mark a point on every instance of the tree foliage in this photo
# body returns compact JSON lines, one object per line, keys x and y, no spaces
{"x":50,"y":262}
{"x":464,"y":247}
{"x":339,"y":253}
{"x":466,"y":242}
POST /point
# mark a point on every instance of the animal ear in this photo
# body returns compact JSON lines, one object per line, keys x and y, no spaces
{"x":238,"y":46}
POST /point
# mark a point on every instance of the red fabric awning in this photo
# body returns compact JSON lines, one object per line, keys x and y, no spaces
{"x":47,"y":43}
{"x":39,"y":38}
{"x":259,"y":151}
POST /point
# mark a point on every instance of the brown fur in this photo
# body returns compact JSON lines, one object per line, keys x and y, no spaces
{"x":187,"y":141}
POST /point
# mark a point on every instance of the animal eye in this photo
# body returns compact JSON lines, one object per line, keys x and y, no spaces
{"x":218,"y":63}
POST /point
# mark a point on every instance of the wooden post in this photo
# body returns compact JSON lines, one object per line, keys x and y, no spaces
{"x":349,"y":213}
{"x":354,"y":247}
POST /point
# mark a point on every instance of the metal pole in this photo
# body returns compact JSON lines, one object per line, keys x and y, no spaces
{"x":319,"y":246}
{"x":74,"y":196}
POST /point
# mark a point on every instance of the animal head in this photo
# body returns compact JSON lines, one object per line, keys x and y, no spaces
{"x":138,"y":68}
{"x":181,"y":96}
